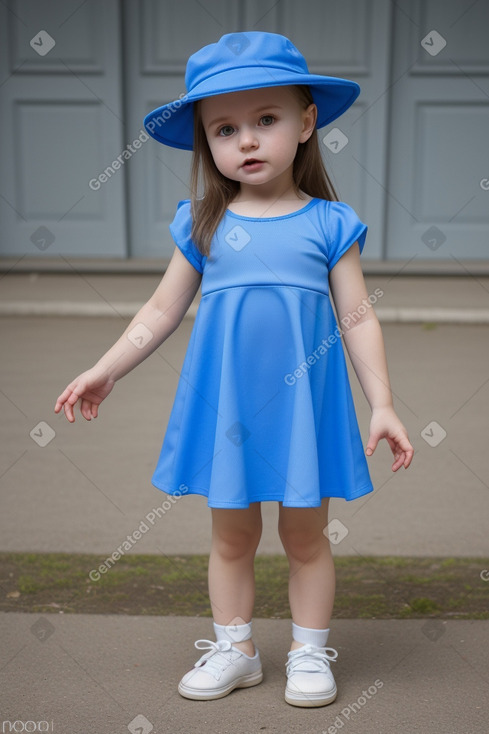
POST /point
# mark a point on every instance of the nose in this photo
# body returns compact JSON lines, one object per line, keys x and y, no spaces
{"x":247,"y":139}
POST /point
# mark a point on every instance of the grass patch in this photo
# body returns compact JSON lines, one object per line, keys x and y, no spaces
{"x":377,"y":587}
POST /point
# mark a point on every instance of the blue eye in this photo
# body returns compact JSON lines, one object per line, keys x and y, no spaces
{"x":267,"y":120}
{"x":226,"y":131}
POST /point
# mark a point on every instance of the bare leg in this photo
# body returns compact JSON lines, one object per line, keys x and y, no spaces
{"x":235,"y":538}
{"x":311,"y":566}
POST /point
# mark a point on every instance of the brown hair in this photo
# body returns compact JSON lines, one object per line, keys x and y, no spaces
{"x":309,"y":175}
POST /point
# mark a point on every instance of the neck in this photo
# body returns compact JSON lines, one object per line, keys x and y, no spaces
{"x":267,"y":194}
{"x":290,"y":201}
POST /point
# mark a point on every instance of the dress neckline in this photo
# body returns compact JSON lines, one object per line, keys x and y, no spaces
{"x":303,"y":209}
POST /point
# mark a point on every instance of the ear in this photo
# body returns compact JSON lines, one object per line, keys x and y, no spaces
{"x":309,"y":117}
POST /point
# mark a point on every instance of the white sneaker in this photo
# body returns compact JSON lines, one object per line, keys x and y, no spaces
{"x":220,"y":671}
{"x":310,"y":681}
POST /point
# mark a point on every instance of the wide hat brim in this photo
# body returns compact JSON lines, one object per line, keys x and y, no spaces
{"x":173,"y":123}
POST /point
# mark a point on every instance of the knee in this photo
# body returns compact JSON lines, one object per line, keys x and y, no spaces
{"x":302,"y":544}
{"x":234,"y":543}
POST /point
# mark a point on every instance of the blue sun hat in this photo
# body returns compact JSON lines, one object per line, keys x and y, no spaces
{"x":240,"y":61}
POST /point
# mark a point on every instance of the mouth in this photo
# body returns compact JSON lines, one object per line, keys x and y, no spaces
{"x":251,"y":162}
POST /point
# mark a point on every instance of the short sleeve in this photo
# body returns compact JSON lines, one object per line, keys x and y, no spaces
{"x":181,"y":231}
{"x":344,"y":228}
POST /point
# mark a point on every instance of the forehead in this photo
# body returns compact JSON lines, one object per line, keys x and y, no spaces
{"x":247,"y":100}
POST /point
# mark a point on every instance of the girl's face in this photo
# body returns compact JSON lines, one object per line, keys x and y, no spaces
{"x":253,"y":135}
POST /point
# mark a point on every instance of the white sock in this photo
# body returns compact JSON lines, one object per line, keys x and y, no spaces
{"x":233,"y":632}
{"x":308,"y":636}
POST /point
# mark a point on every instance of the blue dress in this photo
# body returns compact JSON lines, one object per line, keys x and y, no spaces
{"x":263,"y":408}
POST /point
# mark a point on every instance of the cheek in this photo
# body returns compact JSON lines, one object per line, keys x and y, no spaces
{"x":220,"y":153}
{"x":220,"y":157}
{"x":287,"y":143}
{"x":216,"y":153}
{"x":214,"y":149}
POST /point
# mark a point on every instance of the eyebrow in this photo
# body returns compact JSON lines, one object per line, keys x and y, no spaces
{"x":257,"y":110}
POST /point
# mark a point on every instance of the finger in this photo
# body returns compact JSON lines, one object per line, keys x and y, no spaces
{"x":407,"y":450}
{"x":68,"y":408}
{"x":87,"y":410}
{"x":408,"y":457}
{"x":403,"y":453}
{"x":74,"y":397}
{"x":68,"y":404}
{"x":372,"y":443}
{"x":392,"y":443}
{"x":94,"y":410}
{"x":395,"y":452}
{"x":399,"y":461}
{"x":61,"y":399}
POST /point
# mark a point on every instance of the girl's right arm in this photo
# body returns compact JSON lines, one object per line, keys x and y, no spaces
{"x":153,"y":323}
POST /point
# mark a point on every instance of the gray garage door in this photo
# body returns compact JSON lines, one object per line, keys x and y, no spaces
{"x":78,"y":177}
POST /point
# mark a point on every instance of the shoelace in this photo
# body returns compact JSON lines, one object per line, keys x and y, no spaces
{"x":213,"y":665}
{"x":311,"y":659}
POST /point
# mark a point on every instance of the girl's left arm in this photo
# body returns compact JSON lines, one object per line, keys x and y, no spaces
{"x":365,"y":345}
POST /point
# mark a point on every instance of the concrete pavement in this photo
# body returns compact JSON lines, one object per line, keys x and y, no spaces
{"x":89,"y":487}
{"x":85,"y":487}
{"x":97,"y":674}
{"x":405,"y":299}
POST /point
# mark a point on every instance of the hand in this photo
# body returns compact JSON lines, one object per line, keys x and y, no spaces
{"x":386,"y":424}
{"x":91,"y":387}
